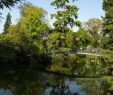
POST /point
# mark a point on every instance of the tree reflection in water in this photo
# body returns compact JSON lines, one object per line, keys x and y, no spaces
{"x":28,"y":80}
{"x":62,"y":89}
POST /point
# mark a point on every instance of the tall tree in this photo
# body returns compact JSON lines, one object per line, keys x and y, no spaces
{"x":65,"y":17}
{"x":108,"y":21}
{"x":34,"y":26}
{"x":7,"y":23}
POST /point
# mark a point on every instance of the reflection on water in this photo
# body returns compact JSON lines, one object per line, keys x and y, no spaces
{"x":5,"y":92}
{"x":80,"y":65}
{"x":71,"y":86}
{"x":28,"y":80}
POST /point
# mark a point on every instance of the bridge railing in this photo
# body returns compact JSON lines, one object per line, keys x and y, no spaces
{"x":90,"y":50}
{"x":86,"y":50}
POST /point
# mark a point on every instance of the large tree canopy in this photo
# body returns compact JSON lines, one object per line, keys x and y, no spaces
{"x":27,"y":34}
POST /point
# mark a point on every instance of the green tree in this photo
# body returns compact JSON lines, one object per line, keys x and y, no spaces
{"x":81,"y":39}
{"x":65,"y":17}
{"x":7,"y":23}
{"x":94,"y":27}
{"x":55,"y":39}
{"x":34,"y":23}
{"x":108,"y":22}
{"x":53,"y":42}
{"x":27,"y":35}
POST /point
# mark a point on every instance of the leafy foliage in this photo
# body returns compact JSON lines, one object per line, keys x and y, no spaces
{"x":66,"y":18}
{"x":66,"y":15}
{"x":27,"y":35}
{"x":8,"y":3}
{"x":94,"y":28}
{"x":108,"y":21}
{"x":81,"y":39}
{"x":60,"y":3}
{"x":34,"y":24}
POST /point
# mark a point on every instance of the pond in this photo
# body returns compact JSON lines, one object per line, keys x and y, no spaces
{"x":29,"y":79}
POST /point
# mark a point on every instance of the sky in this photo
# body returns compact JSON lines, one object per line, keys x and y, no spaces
{"x":87,"y":9}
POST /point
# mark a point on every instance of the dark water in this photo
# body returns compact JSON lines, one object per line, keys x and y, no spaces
{"x":28,"y":80}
